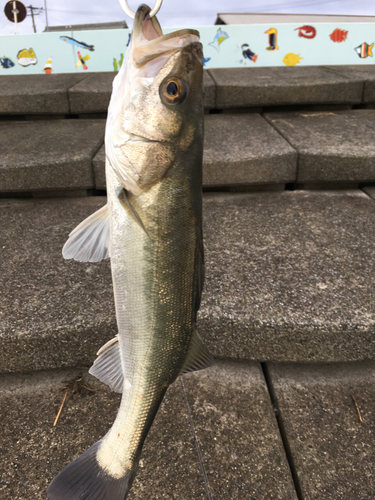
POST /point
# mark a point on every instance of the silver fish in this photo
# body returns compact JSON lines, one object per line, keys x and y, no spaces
{"x":152,"y":230}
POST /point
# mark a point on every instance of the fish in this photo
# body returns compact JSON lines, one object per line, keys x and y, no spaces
{"x":26,"y":57}
{"x":338,"y":35}
{"x":247,"y":53}
{"x":219,"y":38}
{"x":306,"y":31}
{"x":272,"y":39}
{"x":82,"y":60}
{"x":6,"y":63}
{"x":364,"y":50}
{"x":206,"y":60}
{"x":151,"y":228}
{"x":73,"y":41}
{"x":291,"y":59}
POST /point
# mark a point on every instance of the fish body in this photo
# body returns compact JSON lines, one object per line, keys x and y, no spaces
{"x":364,"y":50}
{"x":152,"y":230}
{"x":6,"y":63}
{"x":247,"y":53}
{"x":219,"y":38}
{"x":338,"y":35}
{"x":291,"y":59}
{"x":306,"y":31}
{"x":73,"y":41}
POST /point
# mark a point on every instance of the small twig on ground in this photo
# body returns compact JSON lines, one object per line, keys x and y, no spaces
{"x":61,"y":407}
{"x":357,"y":408}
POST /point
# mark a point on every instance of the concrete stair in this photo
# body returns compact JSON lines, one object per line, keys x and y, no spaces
{"x":288,"y":307}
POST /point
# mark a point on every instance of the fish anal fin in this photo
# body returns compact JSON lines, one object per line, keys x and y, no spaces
{"x":89,"y":241}
{"x":198,"y":356}
{"x":84,"y":479}
{"x":107,"y":366}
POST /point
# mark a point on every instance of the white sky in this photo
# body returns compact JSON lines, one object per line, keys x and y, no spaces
{"x":176,"y":13}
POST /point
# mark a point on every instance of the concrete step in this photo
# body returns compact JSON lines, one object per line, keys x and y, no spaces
{"x":332,"y":146}
{"x":224,"y":88}
{"x":61,"y":154}
{"x":290,"y":277}
{"x":48,"y":154}
{"x":231,"y":414}
{"x":326,"y":413}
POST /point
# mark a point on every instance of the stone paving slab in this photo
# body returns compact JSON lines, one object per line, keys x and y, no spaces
{"x":370,"y":190}
{"x":365,"y":72}
{"x":41,"y":94}
{"x":331,"y":145}
{"x":247,"y":87}
{"x":236,"y":429}
{"x":289,"y":277}
{"x":238,"y":150}
{"x":245,"y":455}
{"x":244,"y":149}
{"x":93,"y":94}
{"x":332,"y":450}
{"x":49,"y":154}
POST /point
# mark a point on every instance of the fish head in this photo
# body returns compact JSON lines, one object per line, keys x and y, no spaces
{"x":156,"y":108}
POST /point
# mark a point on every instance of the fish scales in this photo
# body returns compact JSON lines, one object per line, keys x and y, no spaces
{"x":151,"y":228}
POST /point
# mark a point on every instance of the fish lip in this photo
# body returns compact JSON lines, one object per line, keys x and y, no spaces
{"x":142,"y":138}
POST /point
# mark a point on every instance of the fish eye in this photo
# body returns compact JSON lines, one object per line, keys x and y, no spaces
{"x":173,"y":90}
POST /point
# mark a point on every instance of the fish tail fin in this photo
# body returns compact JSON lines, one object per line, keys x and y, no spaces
{"x":254,"y":59}
{"x":369,"y":49}
{"x":91,"y":48}
{"x":84,"y":479}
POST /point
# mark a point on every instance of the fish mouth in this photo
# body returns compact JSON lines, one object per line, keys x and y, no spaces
{"x":130,"y":137}
{"x":148,"y":41}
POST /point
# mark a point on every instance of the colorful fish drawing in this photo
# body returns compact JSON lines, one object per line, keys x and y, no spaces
{"x":272,"y":39}
{"x":6,"y":63}
{"x":72,"y":41}
{"x":220,"y":37}
{"x":291,"y":59}
{"x":81,"y":60}
{"x":306,"y":31}
{"x":364,"y":50}
{"x":247,"y":53}
{"x":26,"y":57}
{"x":117,"y":64}
{"x":48,"y":67}
{"x":205,"y":60}
{"x":338,"y":35}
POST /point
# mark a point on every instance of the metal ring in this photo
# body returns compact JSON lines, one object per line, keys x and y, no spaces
{"x":130,"y":13}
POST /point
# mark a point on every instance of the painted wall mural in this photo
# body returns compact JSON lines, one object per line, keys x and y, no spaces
{"x":224,"y":47}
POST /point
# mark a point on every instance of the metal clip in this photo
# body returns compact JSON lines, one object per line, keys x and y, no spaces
{"x":130,"y":13}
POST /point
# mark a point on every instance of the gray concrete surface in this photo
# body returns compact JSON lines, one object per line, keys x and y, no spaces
{"x":363,"y":72}
{"x":49,"y":154}
{"x":238,"y":150}
{"x":92,"y":95}
{"x":244,"y":149}
{"x":41,"y":94}
{"x":246,"y":87}
{"x":333,"y":451}
{"x":289,"y":277}
{"x":331,"y":145}
{"x":239,"y":442}
{"x":370,"y":191}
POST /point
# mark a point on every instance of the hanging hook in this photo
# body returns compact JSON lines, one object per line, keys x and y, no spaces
{"x":130,"y":13}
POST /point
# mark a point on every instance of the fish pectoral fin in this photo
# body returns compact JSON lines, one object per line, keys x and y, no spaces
{"x":85,"y":478}
{"x":107,"y":366}
{"x":198,"y":356}
{"x":89,"y":241}
{"x":124,"y":200}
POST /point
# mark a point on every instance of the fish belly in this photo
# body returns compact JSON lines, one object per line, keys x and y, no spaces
{"x":153,"y":281}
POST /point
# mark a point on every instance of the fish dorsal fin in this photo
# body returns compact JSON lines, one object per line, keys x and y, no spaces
{"x":198,"y":356}
{"x":107,"y":366}
{"x":89,"y":242}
